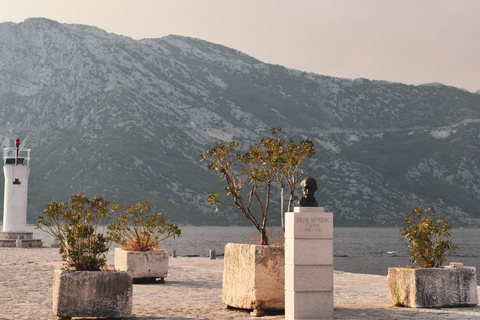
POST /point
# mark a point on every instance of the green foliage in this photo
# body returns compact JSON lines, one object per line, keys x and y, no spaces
{"x":246,"y":174}
{"x":136,"y":229}
{"x":286,"y":159}
{"x":429,"y":244}
{"x":75,"y":226}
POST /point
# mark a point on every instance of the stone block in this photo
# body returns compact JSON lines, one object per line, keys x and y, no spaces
{"x":308,"y":224}
{"x":309,"y":251}
{"x":433,"y":287}
{"x":254,"y":277}
{"x":308,"y":278}
{"x":16,"y":235}
{"x":85,"y":294}
{"x":142,"y":264}
{"x":308,"y":305}
{"x":10,"y":239}
{"x":308,"y":209}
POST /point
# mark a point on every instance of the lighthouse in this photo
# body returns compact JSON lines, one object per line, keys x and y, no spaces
{"x":16,"y":168}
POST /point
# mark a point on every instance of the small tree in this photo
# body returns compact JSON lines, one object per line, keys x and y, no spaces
{"x":247,"y":174}
{"x":75,"y":226}
{"x":429,"y":244}
{"x":136,"y":229}
{"x":286,"y":159}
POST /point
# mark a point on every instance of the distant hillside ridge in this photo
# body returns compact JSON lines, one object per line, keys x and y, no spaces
{"x":128,"y":119}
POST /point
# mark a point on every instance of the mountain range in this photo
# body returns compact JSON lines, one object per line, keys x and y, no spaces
{"x":128,"y":119}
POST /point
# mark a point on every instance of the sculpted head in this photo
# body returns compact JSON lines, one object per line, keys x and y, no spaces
{"x":309,"y":186}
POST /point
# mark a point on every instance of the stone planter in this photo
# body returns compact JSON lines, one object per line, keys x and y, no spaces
{"x":143,"y":264}
{"x":92,"y":294}
{"x":254,"y":277}
{"x":433,"y":287}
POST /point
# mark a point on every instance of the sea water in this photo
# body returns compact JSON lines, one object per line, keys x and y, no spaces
{"x":357,"y":250}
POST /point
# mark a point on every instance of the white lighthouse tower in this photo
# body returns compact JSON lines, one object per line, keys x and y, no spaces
{"x":16,"y":168}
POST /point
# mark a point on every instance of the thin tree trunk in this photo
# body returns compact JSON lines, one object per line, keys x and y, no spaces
{"x":263,"y":236}
{"x":282,"y":209}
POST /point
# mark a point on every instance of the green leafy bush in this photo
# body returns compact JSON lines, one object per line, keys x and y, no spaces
{"x":75,"y":226}
{"x":429,"y":244}
{"x":136,"y":229}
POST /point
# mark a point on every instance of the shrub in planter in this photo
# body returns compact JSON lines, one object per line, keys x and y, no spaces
{"x":75,"y":226}
{"x":249,"y":178}
{"x":140,"y":233}
{"x":429,"y":245}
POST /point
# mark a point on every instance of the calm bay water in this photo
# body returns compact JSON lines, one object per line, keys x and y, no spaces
{"x":357,"y":250}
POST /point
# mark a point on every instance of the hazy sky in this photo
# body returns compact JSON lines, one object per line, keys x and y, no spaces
{"x":408,"y":41}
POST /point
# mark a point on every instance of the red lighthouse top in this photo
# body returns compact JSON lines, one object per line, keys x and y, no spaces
{"x":16,"y":155}
{"x":17,"y":145}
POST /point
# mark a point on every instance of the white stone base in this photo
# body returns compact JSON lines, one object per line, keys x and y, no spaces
{"x":85,"y":294}
{"x":254,"y":277}
{"x":320,"y":251}
{"x":308,"y":264}
{"x":308,"y":278}
{"x":433,"y":287}
{"x":302,"y":305}
{"x":142,"y":264}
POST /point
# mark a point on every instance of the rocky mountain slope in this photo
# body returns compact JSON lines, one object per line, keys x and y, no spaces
{"x":128,"y":119}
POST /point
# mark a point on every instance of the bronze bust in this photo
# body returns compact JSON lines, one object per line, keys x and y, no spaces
{"x":309,"y":186}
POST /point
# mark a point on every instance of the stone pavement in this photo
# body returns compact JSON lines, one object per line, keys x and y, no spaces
{"x":192,"y":291}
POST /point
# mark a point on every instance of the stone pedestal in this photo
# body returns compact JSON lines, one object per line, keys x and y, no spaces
{"x":11,"y":239}
{"x":308,"y":264}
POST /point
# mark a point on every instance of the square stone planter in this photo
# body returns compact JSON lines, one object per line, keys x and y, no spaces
{"x":254,"y":277}
{"x":433,"y":287}
{"x":142,"y":264}
{"x":92,"y":294}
